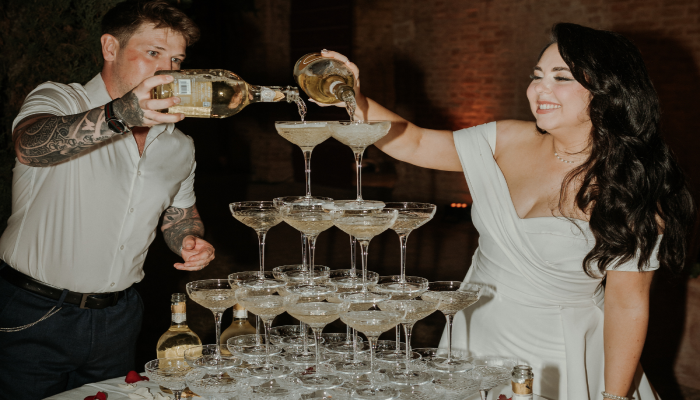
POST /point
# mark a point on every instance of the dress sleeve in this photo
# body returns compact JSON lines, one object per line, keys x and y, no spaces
{"x":631,"y":265}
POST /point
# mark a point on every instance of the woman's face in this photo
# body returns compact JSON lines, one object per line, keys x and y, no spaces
{"x":557,"y":100}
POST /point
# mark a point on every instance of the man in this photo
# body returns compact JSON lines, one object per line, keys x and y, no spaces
{"x":96,"y":167}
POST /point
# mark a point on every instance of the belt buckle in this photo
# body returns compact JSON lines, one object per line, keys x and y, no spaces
{"x":83,"y":299}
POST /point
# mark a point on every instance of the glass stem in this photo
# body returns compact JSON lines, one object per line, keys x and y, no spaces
{"x":353,"y":254}
{"x":268,"y":326}
{"x":303,"y":250}
{"x":304,"y":342}
{"x":484,"y":393}
{"x":398,"y":339}
{"x":178,"y":394}
{"x":403,"y":238}
{"x":354,"y":346}
{"x":261,"y":252}
{"x":449,"y":337}
{"x":312,"y":252}
{"x":307,"y":170}
{"x":217,"y":321}
{"x":358,"y":166}
{"x":372,"y":345}
{"x":348,"y":337}
{"x":364,"y":246}
{"x":317,"y":341}
{"x":408,"y":329}
{"x":257,"y":325}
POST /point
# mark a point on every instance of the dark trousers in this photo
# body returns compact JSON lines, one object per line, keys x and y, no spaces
{"x":71,"y":348}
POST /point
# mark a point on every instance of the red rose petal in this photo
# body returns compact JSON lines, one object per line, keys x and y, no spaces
{"x":133,"y":377}
{"x":503,"y":397}
{"x":98,"y":396}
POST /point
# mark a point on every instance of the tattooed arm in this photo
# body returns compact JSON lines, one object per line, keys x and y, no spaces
{"x":42,"y":140}
{"x":183,"y":230}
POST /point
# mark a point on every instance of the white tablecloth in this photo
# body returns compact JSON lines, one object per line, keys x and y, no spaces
{"x":110,"y":386}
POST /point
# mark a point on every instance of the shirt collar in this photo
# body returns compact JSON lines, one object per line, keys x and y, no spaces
{"x":98,"y":95}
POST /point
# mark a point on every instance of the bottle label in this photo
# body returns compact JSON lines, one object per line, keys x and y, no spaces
{"x":240,"y":313}
{"x":179,"y":318}
{"x":195,"y":97}
{"x":522,"y":391}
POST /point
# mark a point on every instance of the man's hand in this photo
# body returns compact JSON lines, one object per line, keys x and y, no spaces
{"x":196,"y":252}
{"x":136,"y":108}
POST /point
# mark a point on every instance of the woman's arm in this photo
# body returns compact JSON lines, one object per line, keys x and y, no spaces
{"x":405,"y":141}
{"x":626,"y":319}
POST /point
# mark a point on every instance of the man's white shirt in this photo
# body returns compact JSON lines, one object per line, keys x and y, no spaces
{"x":85,"y":224}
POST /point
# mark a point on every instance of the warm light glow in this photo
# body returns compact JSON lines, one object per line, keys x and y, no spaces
{"x":459,"y":205}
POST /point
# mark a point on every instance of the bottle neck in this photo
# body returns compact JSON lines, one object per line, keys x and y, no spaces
{"x":239,"y":313}
{"x":273,"y":94}
{"x":178,"y":318}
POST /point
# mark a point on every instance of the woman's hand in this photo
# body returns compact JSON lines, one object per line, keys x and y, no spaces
{"x":355,"y":71}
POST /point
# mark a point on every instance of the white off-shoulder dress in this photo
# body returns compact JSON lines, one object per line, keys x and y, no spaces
{"x":539,"y":305}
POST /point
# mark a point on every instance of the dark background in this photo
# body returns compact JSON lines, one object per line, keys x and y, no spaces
{"x":443,"y":64}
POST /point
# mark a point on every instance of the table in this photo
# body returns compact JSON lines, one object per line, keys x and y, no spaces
{"x":111,"y":387}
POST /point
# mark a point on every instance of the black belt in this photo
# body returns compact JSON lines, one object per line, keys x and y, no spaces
{"x":84,"y":300}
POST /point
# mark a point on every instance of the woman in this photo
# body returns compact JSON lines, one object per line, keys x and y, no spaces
{"x":573,"y":210}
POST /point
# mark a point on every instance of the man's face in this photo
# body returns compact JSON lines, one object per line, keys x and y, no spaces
{"x":147,"y":51}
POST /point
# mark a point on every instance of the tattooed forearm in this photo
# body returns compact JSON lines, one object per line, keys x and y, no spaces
{"x":179,"y":223}
{"x":51,"y":140}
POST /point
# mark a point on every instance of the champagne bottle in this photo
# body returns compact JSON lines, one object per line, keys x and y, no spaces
{"x":521,"y":382}
{"x":216,"y":93}
{"x":325,"y":80}
{"x":239,"y":326}
{"x":178,"y":337}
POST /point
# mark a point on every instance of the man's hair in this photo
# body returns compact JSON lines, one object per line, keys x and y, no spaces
{"x":127,"y":17}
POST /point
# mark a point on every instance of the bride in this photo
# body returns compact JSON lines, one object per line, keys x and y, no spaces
{"x":574,"y":210}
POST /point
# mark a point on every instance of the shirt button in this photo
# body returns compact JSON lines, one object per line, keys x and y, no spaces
{"x":138,"y":173}
{"x":122,"y":247}
{"x":112,"y":284}
{"x":131,"y":210}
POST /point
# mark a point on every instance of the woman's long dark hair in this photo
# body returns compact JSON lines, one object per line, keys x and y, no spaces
{"x":631,"y":176}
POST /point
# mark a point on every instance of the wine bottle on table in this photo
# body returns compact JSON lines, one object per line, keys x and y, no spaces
{"x":239,"y":326}
{"x":179,"y":337}
{"x":216,"y":93}
{"x":521,"y":381}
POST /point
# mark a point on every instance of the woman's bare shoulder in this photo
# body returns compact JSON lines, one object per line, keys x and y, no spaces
{"x":513,"y":132}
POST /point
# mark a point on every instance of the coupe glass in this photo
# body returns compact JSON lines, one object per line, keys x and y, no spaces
{"x":372,"y":324}
{"x":259,"y":215}
{"x":211,"y":357}
{"x":411,"y":216}
{"x":267,"y":304}
{"x":348,"y":281}
{"x":280,"y":201}
{"x":399,"y":288}
{"x":252,"y":278}
{"x":317,"y":314}
{"x":452,"y":296}
{"x":253,"y":348}
{"x":492,"y":371}
{"x":363,"y":224}
{"x":358,"y":135}
{"x":311,"y":217}
{"x":169,"y":373}
{"x":214,"y":294}
{"x":221,"y":386}
{"x":414,"y":311}
{"x":306,"y":135}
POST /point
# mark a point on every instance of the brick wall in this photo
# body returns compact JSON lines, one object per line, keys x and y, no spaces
{"x":455,"y":63}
